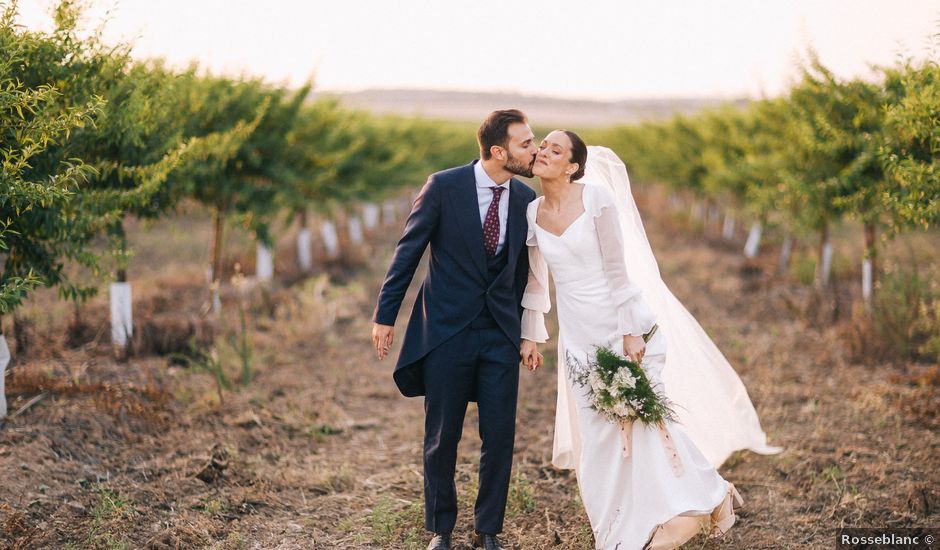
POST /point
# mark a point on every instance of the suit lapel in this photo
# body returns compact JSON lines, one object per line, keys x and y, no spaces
{"x":467,"y":213}
{"x":517,"y":225}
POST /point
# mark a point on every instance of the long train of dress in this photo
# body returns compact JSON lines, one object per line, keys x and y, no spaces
{"x":653,"y":499}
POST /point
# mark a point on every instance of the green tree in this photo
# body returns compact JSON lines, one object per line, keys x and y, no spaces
{"x":911,"y":144}
{"x":40,"y":227}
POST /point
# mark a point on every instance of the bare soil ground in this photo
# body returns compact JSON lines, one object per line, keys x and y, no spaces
{"x":318,"y":450}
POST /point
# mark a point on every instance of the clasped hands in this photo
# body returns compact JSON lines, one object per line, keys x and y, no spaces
{"x":531,"y":358}
{"x":634,"y":348}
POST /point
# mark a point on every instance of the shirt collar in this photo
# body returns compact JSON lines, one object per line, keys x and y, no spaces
{"x":484,"y":180}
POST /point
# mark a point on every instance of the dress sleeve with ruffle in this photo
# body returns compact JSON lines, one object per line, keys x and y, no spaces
{"x":535,"y":301}
{"x":634,"y":315}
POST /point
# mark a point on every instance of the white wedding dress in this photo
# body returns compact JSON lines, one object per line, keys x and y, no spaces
{"x":666,"y":491}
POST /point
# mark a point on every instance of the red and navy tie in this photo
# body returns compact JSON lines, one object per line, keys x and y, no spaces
{"x":491,"y":223}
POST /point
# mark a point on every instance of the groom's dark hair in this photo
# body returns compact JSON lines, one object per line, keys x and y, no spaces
{"x":495,"y":129}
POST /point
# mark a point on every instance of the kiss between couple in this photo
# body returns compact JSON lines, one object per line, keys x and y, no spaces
{"x":482,"y":306}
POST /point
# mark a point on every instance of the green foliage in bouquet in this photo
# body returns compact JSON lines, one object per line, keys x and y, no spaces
{"x":619,"y":388}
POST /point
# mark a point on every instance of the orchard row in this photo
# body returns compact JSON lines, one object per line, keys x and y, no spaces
{"x":827,"y":150}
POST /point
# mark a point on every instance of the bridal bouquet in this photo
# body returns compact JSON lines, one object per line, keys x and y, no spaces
{"x":619,"y":389}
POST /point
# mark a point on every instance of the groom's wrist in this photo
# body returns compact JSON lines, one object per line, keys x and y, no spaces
{"x":384,"y":318}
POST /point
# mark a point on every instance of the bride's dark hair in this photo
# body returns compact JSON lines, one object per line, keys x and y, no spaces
{"x":578,"y":154}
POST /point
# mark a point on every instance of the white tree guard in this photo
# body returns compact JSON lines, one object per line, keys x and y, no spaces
{"x":355,"y":230}
{"x":216,"y":301}
{"x":674,"y":202}
{"x":264,"y":263}
{"x":727,"y":230}
{"x":785,"y":251}
{"x":826,"y":263}
{"x":866,"y":279}
{"x":304,"y":258}
{"x":713,"y":215}
{"x":370,"y":215}
{"x":753,"y":240}
{"x":330,"y":238}
{"x":122,"y":321}
{"x":390,"y":212}
{"x":4,"y":361}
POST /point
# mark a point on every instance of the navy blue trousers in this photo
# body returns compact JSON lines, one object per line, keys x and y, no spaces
{"x":478,"y":361}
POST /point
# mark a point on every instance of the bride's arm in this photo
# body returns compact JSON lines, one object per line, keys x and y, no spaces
{"x":634,"y":314}
{"x":535,"y":301}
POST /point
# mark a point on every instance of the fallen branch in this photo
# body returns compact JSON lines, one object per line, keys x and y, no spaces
{"x":29,"y":404}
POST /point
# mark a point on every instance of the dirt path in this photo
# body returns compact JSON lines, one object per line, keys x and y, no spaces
{"x":320,"y":451}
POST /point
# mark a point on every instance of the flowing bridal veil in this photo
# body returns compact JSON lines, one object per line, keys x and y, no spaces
{"x":711,"y":401}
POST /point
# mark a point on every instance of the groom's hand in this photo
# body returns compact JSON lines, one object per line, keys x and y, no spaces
{"x":530,"y":355}
{"x":382,"y":338}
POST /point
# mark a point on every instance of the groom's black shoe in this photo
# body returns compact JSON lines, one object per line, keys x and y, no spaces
{"x":487,"y":542}
{"x":441,"y":541}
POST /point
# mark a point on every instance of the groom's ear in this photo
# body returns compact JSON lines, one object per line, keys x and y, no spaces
{"x":498,"y":152}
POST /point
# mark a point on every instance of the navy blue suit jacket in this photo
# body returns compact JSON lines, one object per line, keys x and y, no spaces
{"x":446,"y":216}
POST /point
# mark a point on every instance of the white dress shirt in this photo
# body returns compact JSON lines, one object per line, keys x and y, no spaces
{"x":485,"y":197}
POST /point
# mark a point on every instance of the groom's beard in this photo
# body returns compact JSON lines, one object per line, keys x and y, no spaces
{"x":517,"y":167}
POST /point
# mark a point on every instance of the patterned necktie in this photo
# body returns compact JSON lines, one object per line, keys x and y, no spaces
{"x":491,"y":223}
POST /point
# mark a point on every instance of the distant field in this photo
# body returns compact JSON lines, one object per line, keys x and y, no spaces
{"x":542,"y":111}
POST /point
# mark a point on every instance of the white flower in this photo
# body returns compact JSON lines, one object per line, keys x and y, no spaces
{"x":621,"y":409}
{"x":596,"y":382}
{"x":623,"y":379}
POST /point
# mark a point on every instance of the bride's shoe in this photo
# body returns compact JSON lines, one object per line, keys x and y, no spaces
{"x":723,"y":516}
{"x":680,"y":529}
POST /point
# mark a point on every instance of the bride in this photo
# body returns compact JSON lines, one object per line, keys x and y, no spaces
{"x":587,"y":231}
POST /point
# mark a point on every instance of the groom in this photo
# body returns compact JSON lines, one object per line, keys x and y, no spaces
{"x":462,"y":341}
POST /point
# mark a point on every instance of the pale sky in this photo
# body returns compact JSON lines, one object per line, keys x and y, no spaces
{"x":598,"y":49}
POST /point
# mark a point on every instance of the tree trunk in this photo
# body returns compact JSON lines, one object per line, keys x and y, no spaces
{"x":786,"y":251}
{"x":21,"y":333}
{"x":217,"y":234}
{"x":4,"y":361}
{"x":714,"y":217}
{"x":122,"y":253}
{"x":341,"y":223}
{"x":824,"y":267}
{"x":869,"y":263}
{"x":215,"y":270}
